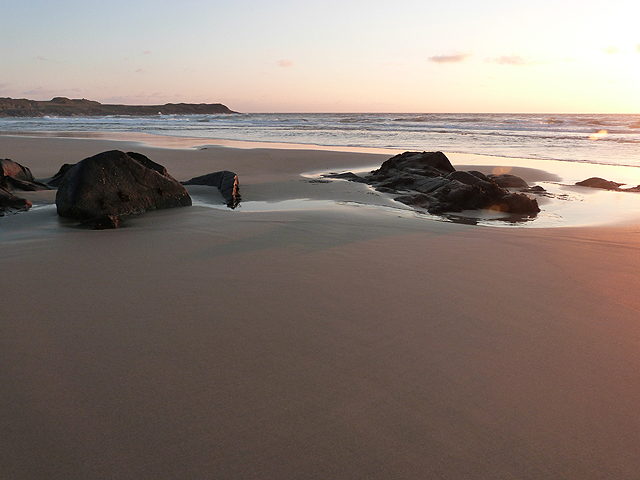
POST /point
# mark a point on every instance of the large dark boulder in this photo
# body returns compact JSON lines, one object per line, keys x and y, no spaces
{"x":114,"y":183}
{"x":225,"y":181}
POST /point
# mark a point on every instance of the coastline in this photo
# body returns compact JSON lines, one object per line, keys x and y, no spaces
{"x":262,"y":165}
{"x":344,"y":341}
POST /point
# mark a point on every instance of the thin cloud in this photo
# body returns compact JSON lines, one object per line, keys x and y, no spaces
{"x":285,"y":63}
{"x":142,"y":98}
{"x":147,"y":52}
{"x":610,"y":50}
{"x":452,"y":58}
{"x":41,"y":92}
{"x":515,"y":60}
{"x":40,"y":58}
{"x":638,"y":48}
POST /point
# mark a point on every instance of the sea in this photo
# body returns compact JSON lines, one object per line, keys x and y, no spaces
{"x":589,"y":138}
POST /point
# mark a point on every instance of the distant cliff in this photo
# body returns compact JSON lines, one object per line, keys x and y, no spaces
{"x":65,"y":107}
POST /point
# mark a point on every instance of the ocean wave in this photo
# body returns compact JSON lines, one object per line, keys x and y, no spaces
{"x":563,"y":137}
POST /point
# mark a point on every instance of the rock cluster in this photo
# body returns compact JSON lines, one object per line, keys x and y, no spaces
{"x":100,"y":190}
{"x":428,"y":180}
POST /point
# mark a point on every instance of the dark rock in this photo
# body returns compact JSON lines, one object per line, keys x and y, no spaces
{"x":147,"y":162}
{"x":432,"y":183}
{"x":225,"y":181}
{"x":14,"y":176}
{"x":103,"y":222}
{"x":428,"y":185}
{"x":16,"y":184}
{"x":480,"y":175}
{"x":508,"y":181}
{"x":57,"y":178}
{"x":469,"y":178}
{"x":350,"y":176}
{"x":113,"y":183}
{"x":425,"y":164}
{"x":9,"y":203}
{"x":9,"y":168}
{"x":597,"y":182}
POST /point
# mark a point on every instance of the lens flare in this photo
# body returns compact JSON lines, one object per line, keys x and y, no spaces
{"x":598,"y":135}
{"x":501,"y":170}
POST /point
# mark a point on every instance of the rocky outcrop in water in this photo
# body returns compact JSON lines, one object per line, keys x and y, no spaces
{"x":225,"y":181}
{"x":602,"y":184}
{"x":597,"y":182}
{"x":428,"y":180}
{"x":112,"y":184}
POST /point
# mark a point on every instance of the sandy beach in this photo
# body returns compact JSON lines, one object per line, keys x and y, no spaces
{"x":344,"y":336}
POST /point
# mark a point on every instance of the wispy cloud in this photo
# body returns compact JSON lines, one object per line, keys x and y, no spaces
{"x":142,"y":98}
{"x":140,"y":71}
{"x":451,"y":58}
{"x":638,"y":48}
{"x":285,"y":63}
{"x":40,"y":58}
{"x":515,"y":60}
{"x":610,"y":50}
{"x":41,"y":92}
{"x":147,"y":52}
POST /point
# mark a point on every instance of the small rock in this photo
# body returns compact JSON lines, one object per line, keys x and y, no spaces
{"x":225,"y":181}
{"x":597,"y":182}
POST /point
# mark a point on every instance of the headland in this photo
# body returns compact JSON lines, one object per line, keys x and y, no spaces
{"x":66,"y":107}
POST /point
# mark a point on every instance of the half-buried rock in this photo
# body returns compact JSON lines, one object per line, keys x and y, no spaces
{"x":113,"y":184}
{"x":14,"y":176}
{"x":225,"y":181}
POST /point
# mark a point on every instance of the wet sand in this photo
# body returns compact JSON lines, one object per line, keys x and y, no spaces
{"x":337,"y":340}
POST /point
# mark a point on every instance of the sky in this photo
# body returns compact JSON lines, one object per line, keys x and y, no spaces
{"x":506,"y":56}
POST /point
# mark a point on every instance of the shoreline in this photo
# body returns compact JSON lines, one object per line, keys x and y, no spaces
{"x":350,"y":341}
{"x":262,"y":167}
{"x":178,"y":142}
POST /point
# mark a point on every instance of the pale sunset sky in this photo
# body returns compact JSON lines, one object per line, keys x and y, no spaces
{"x":550,"y":56}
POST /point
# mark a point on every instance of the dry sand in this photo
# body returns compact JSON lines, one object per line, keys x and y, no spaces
{"x":338,"y":342}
